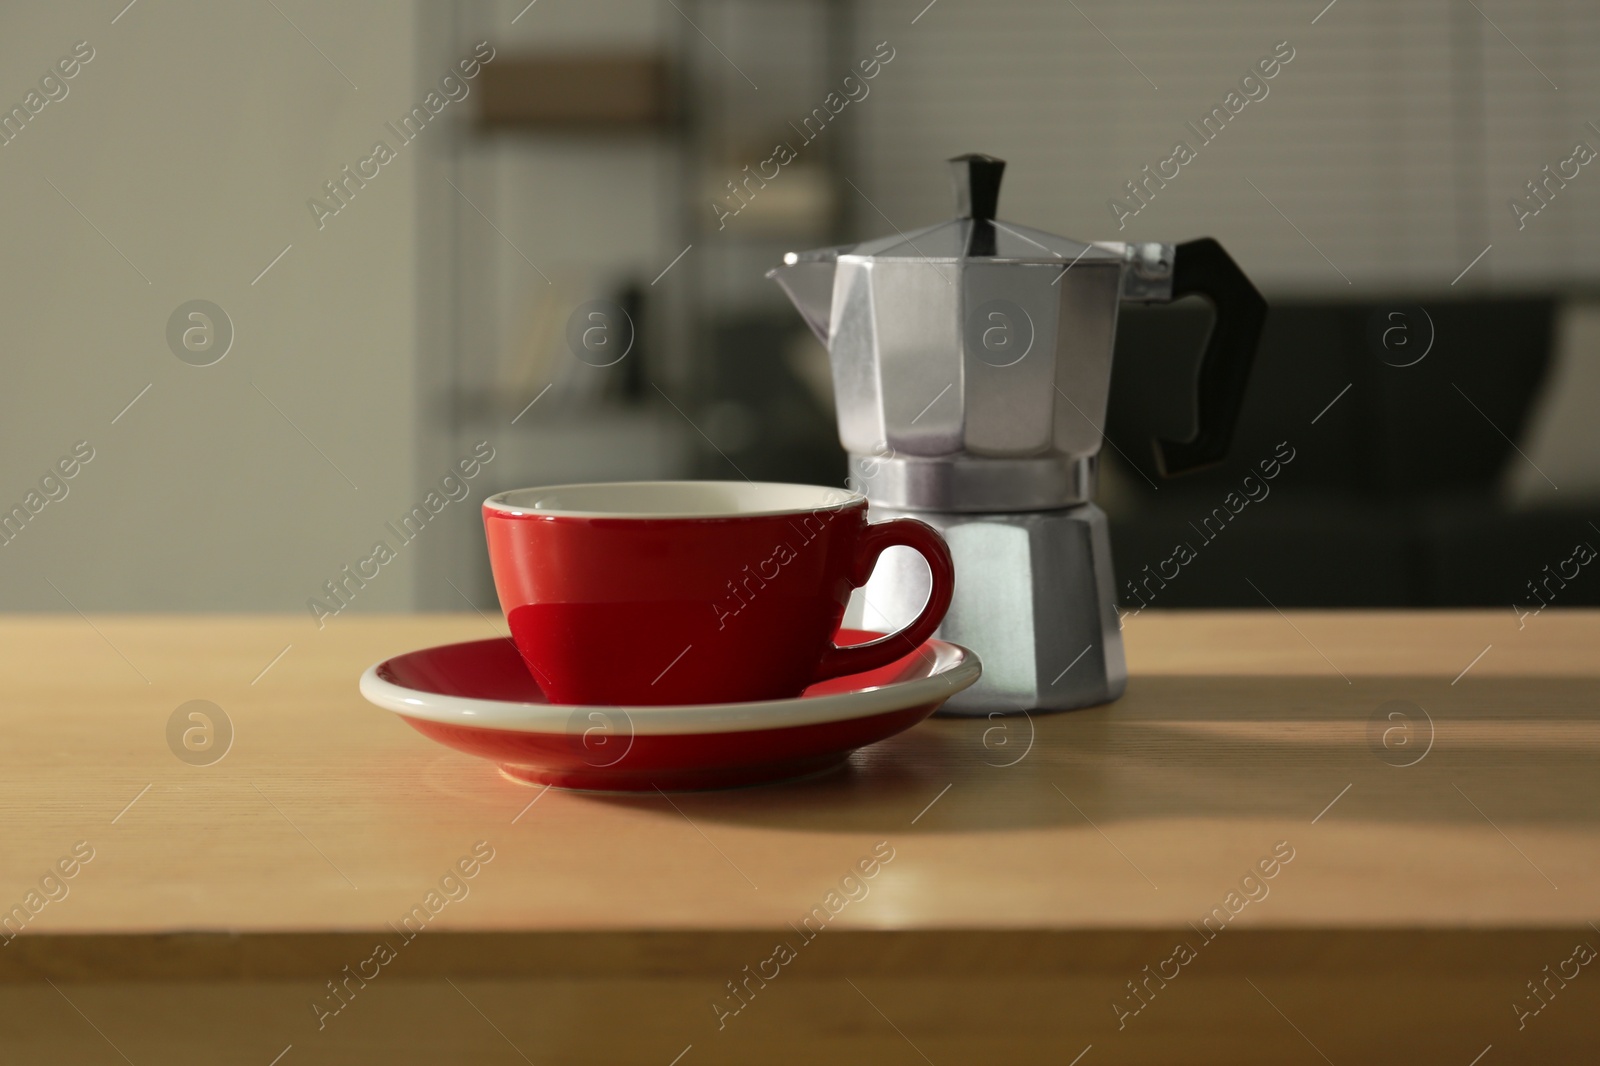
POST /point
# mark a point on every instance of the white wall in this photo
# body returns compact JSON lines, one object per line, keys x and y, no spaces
{"x":1393,"y":140}
{"x":192,"y":141}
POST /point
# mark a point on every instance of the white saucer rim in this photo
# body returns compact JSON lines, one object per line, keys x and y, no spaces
{"x":955,"y":668}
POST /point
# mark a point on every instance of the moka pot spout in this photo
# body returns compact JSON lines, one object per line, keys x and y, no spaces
{"x":807,"y":279}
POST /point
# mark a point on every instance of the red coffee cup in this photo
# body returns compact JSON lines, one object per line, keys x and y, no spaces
{"x":657,"y":592}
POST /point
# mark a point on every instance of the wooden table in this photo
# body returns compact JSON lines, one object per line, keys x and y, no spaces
{"x":1030,"y":873}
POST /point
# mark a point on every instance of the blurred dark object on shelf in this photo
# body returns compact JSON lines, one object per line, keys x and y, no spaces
{"x":616,"y":336}
{"x":760,"y":419}
{"x":1393,"y":497}
{"x":630,"y":385}
{"x":611,"y":92}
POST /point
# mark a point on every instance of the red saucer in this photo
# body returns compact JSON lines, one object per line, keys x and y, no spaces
{"x":479,"y":698}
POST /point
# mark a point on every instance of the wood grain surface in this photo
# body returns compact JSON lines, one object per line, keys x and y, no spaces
{"x":1443,"y":856}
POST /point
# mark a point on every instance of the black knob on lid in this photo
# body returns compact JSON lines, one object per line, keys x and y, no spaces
{"x":977,"y":183}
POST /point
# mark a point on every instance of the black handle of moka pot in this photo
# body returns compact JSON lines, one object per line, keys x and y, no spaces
{"x":1202,"y":268}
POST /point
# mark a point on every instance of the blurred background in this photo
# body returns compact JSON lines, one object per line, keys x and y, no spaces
{"x":373,"y":325}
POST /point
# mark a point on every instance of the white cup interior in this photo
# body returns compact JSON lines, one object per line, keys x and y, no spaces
{"x":671,"y":499}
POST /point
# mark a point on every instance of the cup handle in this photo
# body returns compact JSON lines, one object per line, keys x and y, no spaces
{"x":926,"y":542}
